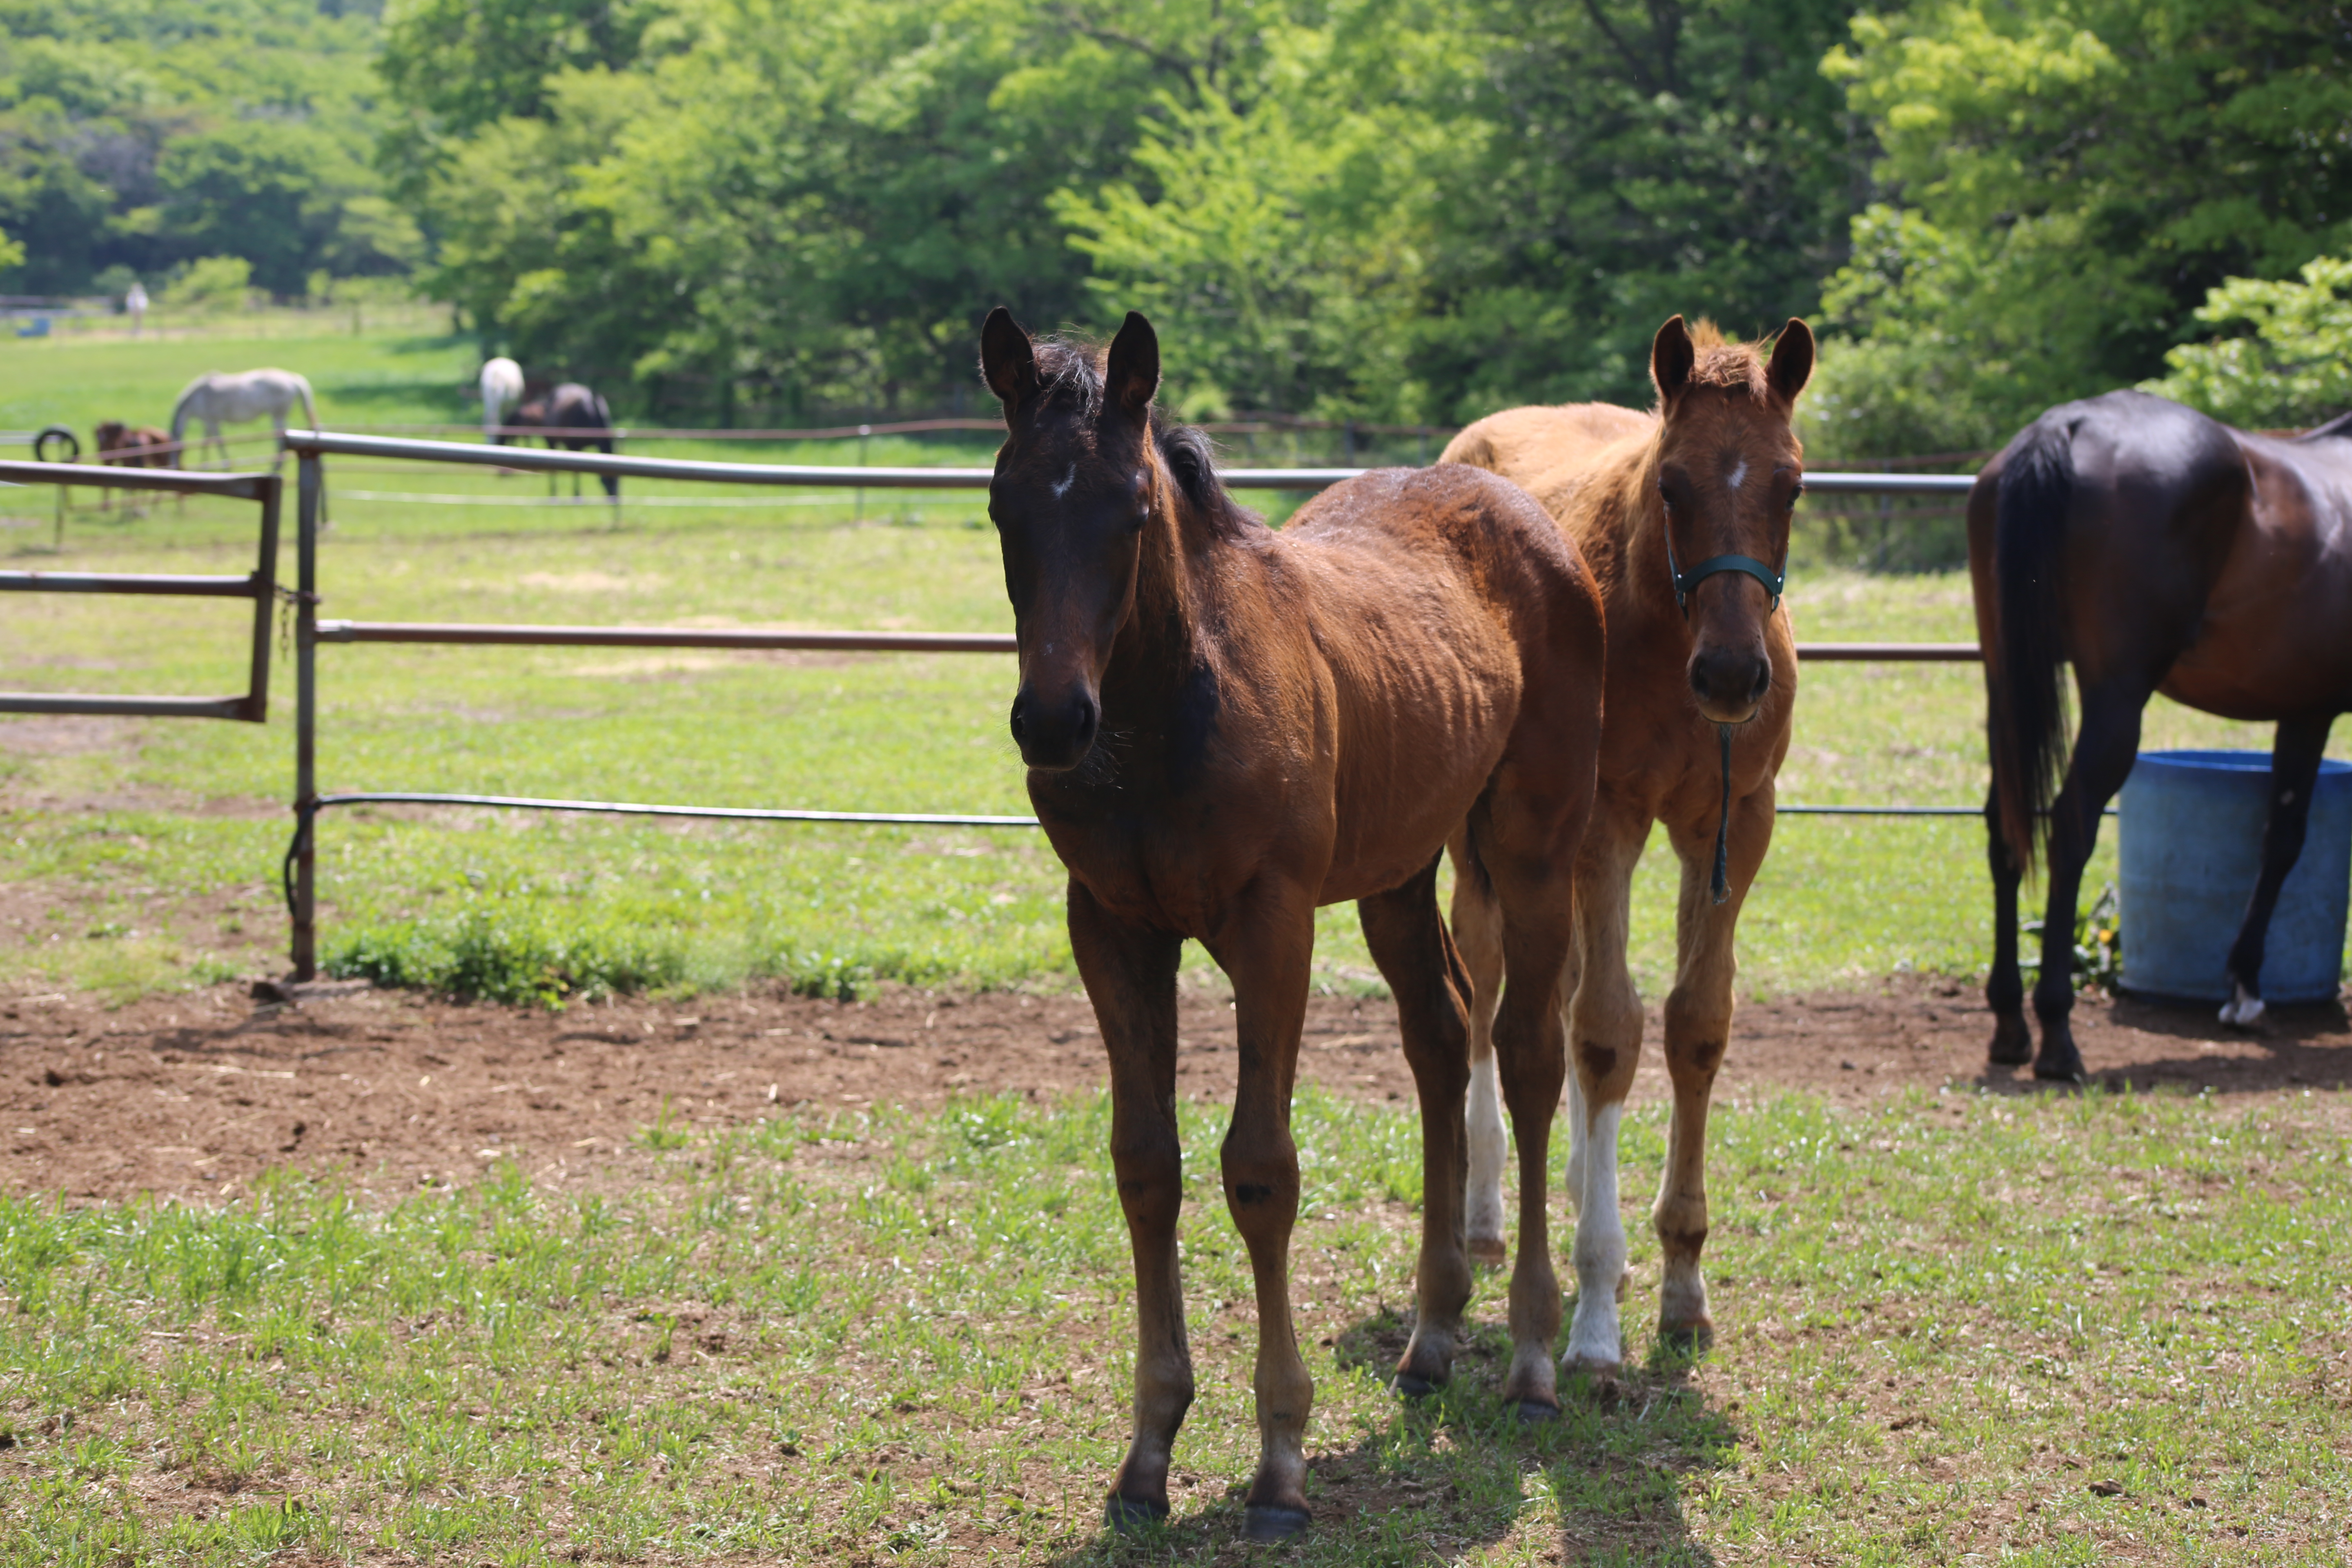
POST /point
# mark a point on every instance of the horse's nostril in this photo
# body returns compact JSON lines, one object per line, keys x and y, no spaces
{"x":1019,"y":722}
{"x":1763,"y":682}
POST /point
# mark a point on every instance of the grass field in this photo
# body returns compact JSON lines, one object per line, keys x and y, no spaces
{"x":114,"y":833}
{"x":1954,"y":1329}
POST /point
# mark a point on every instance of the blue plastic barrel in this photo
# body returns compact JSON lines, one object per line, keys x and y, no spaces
{"x":2191,"y":845}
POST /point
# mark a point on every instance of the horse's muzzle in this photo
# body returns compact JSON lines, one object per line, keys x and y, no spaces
{"x":1055,"y":735}
{"x":1729,"y":685}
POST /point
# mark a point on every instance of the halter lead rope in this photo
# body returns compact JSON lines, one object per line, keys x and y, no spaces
{"x":1723,"y":824}
{"x":1686,"y":584}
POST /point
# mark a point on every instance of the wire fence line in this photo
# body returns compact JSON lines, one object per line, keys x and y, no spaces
{"x":310,"y":449}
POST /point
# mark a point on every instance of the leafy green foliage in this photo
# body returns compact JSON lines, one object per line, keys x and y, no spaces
{"x":1368,"y":209}
{"x":136,"y":135}
{"x":2064,"y":181}
{"x":2291,"y":365}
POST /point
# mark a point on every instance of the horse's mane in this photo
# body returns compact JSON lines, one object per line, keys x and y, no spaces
{"x":1071,"y":375}
{"x":1726,"y":362}
{"x":2339,"y":425}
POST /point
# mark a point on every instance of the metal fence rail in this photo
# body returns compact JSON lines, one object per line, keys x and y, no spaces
{"x":310,"y":448}
{"x":260,"y":585}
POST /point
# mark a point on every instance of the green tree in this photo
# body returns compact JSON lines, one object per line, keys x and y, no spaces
{"x":2062,"y":183}
{"x":2289,"y":365}
{"x":139,"y":134}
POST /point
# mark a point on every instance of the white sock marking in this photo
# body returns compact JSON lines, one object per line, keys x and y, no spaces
{"x":1594,"y":1339}
{"x":1483,"y":1215}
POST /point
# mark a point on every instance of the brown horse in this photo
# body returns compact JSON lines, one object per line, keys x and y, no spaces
{"x":133,"y":445}
{"x":1702,"y":684}
{"x":2156,"y":550}
{"x":1226,"y":727}
{"x":570,"y":408}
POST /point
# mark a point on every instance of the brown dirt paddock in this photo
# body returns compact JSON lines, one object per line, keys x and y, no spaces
{"x":191,"y":1096}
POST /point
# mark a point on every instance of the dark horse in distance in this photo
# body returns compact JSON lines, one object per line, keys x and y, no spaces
{"x":2156,"y":549}
{"x":570,"y":408}
{"x":1226,"y":727}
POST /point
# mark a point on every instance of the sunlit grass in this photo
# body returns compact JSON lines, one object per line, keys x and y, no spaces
{"x":2052,"y":1330}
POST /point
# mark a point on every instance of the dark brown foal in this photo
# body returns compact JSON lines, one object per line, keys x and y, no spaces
{"x":1226,"y":727}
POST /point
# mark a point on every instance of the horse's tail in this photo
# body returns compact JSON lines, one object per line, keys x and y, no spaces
{"x":2027,"y":686}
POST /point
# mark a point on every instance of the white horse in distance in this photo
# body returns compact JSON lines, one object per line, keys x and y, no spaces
{"x":217,"y":399}
{"x":501,"y":390}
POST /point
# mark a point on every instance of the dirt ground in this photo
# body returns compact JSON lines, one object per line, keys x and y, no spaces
{"x":190,"y":1096}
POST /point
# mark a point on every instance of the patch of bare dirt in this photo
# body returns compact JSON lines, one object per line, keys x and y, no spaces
{"x":191,"y":1096}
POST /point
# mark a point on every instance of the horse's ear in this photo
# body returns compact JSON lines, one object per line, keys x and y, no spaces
{"x":1007,"y":362}
{"x":1671,"y":358}
{"x":1792,"y":361}
{"x":1131,"y":373}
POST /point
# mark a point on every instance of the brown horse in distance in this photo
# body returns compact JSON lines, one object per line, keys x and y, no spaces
{"x":1684,"y":514}
{"x":132,"y":445}
{"x":2156,"y":549}
{"x":570,"y":408}
{"x":1226,"y":727}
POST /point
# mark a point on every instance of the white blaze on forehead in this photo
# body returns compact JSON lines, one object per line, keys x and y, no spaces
{"x":1063,"y":487}
{"x":1739,"y":472}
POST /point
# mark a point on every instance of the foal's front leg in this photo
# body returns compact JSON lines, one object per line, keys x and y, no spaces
{"x":1265,"y":947}
{"x":1698,"y":1027}
{"x":1130,"y":977}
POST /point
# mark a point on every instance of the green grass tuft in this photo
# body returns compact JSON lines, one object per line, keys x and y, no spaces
{"x":2066,"y":1329}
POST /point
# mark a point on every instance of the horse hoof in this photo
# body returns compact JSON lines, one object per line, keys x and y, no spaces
{"x":2012,"y":1044}
{"x":1129,"y":1515}
{"x":1536,"y":1413}
{"x":1489,"y":1250}
{"x":2062,"y":1070}
{"x":1688,"y":1339}
{"x":1413,"y":1386}
{"x":1273,"y":1522}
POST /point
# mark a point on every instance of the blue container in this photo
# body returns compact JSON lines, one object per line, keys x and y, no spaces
{"x":2191,"y":848}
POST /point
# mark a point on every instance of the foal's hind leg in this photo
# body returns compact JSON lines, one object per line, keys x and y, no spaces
{"x":1530,"y":853}
{"x":1265,"y":947}
{"x":1409,"y":943}
{"x":1478,"y":935}
{"x":1130,"y":977}
{"x":2294,"y":770}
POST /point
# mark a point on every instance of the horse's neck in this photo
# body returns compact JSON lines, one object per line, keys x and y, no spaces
{"x":1626,"y":535}
{"x":1160,"y":642}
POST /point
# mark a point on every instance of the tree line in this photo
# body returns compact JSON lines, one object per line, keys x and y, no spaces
{"x":1391,"y":210}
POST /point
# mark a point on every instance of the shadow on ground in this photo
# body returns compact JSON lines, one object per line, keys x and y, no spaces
{"x":2183,"y":1046}
{"x":1455,"y":1473}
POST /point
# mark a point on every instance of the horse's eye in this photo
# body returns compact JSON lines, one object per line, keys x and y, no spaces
{"x":1797,"y":494}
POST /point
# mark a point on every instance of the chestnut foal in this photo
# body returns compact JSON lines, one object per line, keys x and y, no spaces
{"x":1684,"y":514}
{"x":1226,"y":727}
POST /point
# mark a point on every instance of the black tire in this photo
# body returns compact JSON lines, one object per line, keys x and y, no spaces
{"x":56,"y":433}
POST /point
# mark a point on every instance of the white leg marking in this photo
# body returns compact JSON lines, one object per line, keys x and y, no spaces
{"x":2240,"y":1009}
{"x":1578,"y":1138}
{"x":1594,"y":1339}
{"x":1483,"y":1215}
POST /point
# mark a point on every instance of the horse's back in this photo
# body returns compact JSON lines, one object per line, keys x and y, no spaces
{"x":1459,"y":626}
{"x":1556,"y":453}
{"x":1477,"y":527}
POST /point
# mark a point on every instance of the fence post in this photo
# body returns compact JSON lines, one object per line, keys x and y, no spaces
{"x":306,"y":719}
